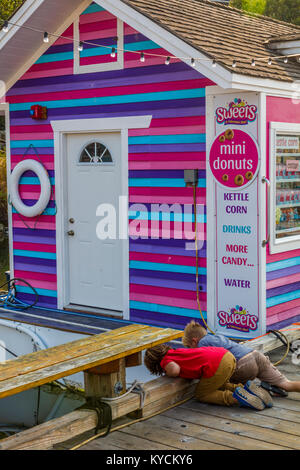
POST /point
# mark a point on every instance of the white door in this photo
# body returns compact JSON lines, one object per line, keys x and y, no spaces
{"x":93,"y":178}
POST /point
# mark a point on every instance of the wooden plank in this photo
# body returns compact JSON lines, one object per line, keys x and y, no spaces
{"x":134,"y":359}
{"x":235,"y":427}
{"x":109,"y":368}
{"x":45,"y":435}
{"x":87,"y":361}
{"x":269,"y":342}
{"x":214,"y":438}
{"x":242,"y":415}
{"x":96,"y":385}
{"x":50,"y":356}
{"x":119,"y":438}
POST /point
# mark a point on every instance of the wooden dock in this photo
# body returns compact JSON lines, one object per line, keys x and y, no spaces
{"x":197,"y":426}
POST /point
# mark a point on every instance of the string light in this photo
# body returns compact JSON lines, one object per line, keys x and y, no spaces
{"x":144,"y":54}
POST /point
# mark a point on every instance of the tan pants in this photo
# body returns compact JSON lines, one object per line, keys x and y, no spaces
{"x":217,"y":389}
{"x":257,"y":365}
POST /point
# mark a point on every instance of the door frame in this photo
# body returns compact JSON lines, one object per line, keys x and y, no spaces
{"x":80,"y":126}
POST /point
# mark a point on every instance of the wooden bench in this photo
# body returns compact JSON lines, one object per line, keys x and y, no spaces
{"x":103,"y":358}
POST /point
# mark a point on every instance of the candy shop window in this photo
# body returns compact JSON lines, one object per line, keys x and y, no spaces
{"x":285,"y":187}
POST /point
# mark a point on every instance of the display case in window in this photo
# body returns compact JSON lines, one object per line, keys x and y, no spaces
{"x":285,"y":187}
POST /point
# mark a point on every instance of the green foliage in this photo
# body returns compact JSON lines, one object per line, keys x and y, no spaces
{"x":8,"y":7}
{"x":285,"y":10}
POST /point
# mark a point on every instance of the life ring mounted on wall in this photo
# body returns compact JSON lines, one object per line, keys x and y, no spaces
{"x":42,"y":174}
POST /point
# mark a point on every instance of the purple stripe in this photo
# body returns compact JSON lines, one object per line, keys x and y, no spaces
{"x":161,"y":174}
{"x":161,"y":319}
{"x":41,"y":150}
{"x":283,"y":272}
{"x":283,"y":289}
{"x":31,"y":202}
{"x":160,"y":113}
{"x":140,"y":246}
{"x":35,"y":261}
{"x":43,"y":301}
{"x":43,"y":235}
{"x":170,"y":276}
{"x":147,"y":107}
{"x":91,"y":77}
{"x":181,"y":285}
{"x":283,"y":323}
{"x":30,"y":173}
{"x":34,"y":269}
{"x":167,"y":148}
{"x":188,"y":207}
{"x":159,"y":78}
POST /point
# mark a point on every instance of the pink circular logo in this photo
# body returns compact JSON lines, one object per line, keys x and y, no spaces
{"x":234,"y":159}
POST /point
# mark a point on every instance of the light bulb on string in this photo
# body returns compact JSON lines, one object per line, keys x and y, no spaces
{"x":285,"y":60}
{"x":193,"y":62}
{"x":113,"y":52}
{"x":142,"y":58}
{"x":234,"y":63}
{"x":168,"y":59}
{"x":214,"y":63}
{"x":5,"y":27}
{"x":269,"y":61}
{"x":46,"y":37}
{"x":80,"y":46}
{"x":253,"y":63}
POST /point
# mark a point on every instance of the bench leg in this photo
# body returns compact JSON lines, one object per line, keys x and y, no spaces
{"x":99,"y":382}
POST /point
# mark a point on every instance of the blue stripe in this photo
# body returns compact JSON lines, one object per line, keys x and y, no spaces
{"x":93,"y":9}
{"x":167,"y":139}
{"x":164,"y":216}
{"x":176,"y":268}
{"x":16,"y":144}
{"x":46,"y":292}
{"x":165,"y":309}
{"x":48,"y":211}
{"x":281,"y":299}
{"x":35,"y":254}
{"x":95,"y":51}
{"x":33,"y":180}
{"x":107,"y":100}
{"x":287,"y":263}
{"x":161,"y":182}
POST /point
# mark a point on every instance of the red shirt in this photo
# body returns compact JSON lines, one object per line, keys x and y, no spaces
{"x":195,"y":362}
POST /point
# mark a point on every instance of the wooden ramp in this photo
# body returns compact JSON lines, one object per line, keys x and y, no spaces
{"x":197,"y":426}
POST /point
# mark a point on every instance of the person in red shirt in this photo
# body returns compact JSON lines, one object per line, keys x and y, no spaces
{"x":213,"y":366}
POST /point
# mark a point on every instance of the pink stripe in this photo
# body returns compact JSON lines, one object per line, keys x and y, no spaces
{"x":48,"y":73}
{"x":42,"y":284}
{"x":282,"y":307}
{"x":39,"y":276}
{"x":282,"y":256}
{"x":167,"y":130}
{"x":169,"y":157}
{"x":42,"y":218}
{"x":283,"y":316}
{"x":112,"y":91}
{"x":34,"y":247}
{"x":182,"y":121}
{"x":95,"y":17}
{"x":282,"y":281}
{"x":33,"y":225}
{"x":167,"y":259}
{"x":178,"y":193}
{"x":167,"y":165}
{"x":47,"y":165}
{"x":31,"y":128}
{"x":33,"y":136}
{"x":104,"y":33}
{"x":108,"y":25}
{"x":173,"y":302}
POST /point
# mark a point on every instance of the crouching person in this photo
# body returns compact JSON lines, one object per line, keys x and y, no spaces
{"x":214,"y":367}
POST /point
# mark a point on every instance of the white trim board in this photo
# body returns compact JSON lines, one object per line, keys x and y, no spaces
{"x":61,"y":128}
{"x":4,"y":110}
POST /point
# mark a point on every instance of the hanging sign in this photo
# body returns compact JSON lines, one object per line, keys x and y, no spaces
{"x":234,"y":161}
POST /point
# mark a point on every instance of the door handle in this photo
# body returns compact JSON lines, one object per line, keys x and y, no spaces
{"x":71,"y":233}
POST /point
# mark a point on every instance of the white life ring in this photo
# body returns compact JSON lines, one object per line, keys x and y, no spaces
{"x":41,"y":172}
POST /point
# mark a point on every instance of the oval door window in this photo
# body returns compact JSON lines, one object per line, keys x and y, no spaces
{"x":95,"y":152}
